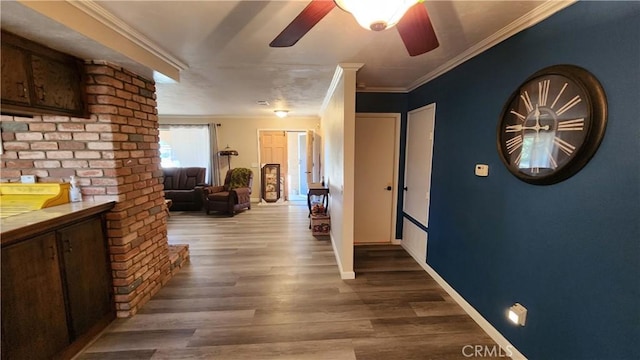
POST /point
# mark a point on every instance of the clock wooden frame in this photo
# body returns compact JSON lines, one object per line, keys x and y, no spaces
{"x":596,"y":106}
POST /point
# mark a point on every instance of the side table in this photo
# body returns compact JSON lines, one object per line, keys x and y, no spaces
{"x":323,"y":193}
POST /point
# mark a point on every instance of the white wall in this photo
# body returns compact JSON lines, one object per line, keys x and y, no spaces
{"x":338,"y":133}
{"x":241,"y":134}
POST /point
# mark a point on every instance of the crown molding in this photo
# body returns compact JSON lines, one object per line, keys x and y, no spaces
{"x":398,"y":90}
{"x":337,"y":75}
{"x":526,"y":21}
{"x":109,"y":20}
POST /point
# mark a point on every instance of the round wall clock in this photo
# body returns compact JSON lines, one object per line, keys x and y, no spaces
{"x":552,"y":124}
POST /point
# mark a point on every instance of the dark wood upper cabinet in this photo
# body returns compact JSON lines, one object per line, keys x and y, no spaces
{"x":37,"y":80}
{"x":15,"y":80}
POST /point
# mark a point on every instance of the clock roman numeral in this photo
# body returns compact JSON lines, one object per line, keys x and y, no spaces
{"x":543,"y":92}
{"x":527,"y":101}
{"x":564,"y":146}
{"x":522,"y":117}
{"x":559,"y":94}
{"x":573,"y":102}
{"x":513,"y":128}
{"x":571,"y":125}
{"x":513,"y":144}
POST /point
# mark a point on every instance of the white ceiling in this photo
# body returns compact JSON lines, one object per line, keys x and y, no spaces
{"x":220,"y":48}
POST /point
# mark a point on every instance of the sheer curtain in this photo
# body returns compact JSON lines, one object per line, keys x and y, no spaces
{"x":190,"y":145}
{"x":214,"y":158}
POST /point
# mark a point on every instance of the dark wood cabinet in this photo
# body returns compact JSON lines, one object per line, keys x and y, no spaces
{"x":86,"y":275}
{"x":34,"y":325}
{"x":56,"y":291}
{"x":15,"y":80}
{"x":37,"y":80}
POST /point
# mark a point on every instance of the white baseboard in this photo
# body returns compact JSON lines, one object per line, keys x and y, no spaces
{"x":344,"y":275}
{"x":475,"y":315}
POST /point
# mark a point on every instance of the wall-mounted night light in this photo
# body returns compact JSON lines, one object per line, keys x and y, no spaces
{"x":517,"y":314}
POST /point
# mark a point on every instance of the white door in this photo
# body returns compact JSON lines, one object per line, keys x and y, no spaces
{"x":419,"y":154}
{"x":376,"y":163}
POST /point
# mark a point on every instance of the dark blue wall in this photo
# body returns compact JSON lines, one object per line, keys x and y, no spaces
{"x":569,"y":252}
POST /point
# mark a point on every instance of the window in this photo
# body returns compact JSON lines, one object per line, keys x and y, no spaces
{"x":185,"y":146}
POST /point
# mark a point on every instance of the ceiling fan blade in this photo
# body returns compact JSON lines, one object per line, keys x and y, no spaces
{"x":416,"y":30}
{"x":307,"y":19}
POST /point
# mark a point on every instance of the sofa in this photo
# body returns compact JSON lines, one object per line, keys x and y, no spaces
{"x":184,"y":187}
{"x":233,"y":196}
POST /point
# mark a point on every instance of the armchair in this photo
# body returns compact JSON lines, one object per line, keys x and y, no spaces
{"x":234,"y":195}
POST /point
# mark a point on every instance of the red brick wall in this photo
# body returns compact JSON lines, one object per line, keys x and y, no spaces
{"x":115,"y":156}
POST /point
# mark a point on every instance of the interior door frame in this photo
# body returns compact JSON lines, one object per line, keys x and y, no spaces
{"x":396,"y":167}
{"x":279,"y":129}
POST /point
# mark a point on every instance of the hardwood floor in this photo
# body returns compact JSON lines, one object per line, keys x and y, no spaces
{"x":259,"y":286}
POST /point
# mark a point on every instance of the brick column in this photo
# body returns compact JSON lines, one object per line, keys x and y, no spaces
{"x":115,"y":155}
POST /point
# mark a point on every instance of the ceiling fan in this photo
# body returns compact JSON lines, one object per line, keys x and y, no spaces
{"x":411,"y":20}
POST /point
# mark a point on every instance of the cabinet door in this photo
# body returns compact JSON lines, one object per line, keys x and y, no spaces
{"x":56,"y":84}
{"x":15,"y":86}
{"x":87,"y":275}
{"x":34,"y":324}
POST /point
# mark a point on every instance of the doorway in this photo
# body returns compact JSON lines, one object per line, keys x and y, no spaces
{"x":290,"y":149}
{"x":297,"y":157}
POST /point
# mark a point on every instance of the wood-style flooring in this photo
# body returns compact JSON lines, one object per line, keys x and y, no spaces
{"x":260,"y":286}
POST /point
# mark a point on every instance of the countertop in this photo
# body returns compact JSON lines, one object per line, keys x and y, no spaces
{"x":32,"y":223}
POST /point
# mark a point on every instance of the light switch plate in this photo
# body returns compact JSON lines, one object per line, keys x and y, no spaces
{"x":482,"y":170}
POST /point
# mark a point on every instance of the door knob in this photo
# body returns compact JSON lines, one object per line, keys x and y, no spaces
{"x":388,"y":188}
{"x":406,"y":188}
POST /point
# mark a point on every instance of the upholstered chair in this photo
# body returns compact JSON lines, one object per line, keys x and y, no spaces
{"x":233,"y":196}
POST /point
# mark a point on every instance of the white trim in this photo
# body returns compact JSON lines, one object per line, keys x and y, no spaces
{"x":103,"y":16}
{"x":399,"y":90}
{"x":475,"y":315}
{"x":337,"y":75}
{"x":344,"y":275}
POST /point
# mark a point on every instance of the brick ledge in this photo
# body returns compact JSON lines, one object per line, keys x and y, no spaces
{"x":178,"y":256}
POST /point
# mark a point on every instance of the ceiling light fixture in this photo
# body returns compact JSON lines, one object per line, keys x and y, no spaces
{"x":376,"y":15}
{"x":281,"y":113}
